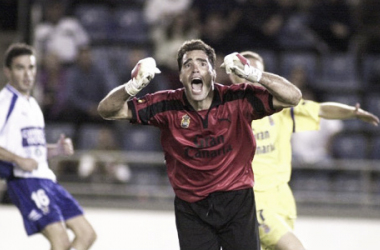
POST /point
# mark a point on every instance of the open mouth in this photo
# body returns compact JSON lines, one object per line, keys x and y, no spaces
{"x":196,"y":85}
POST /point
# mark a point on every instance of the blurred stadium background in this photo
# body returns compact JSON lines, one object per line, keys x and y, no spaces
{"x":338,"y":199}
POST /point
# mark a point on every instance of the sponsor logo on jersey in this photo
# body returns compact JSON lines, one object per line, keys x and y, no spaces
{"x":33,"y":136}
{"x":265,"y":149}
{"x":203,"y":145}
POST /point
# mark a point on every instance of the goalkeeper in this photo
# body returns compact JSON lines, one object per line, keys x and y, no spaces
{"x":207,"y":140}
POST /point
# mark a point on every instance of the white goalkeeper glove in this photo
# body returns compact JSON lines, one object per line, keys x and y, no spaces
{"x":142,"y":74}
{"x":240,"y":66}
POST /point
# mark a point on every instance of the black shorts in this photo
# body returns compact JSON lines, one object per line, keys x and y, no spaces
{"x":224,"y":220}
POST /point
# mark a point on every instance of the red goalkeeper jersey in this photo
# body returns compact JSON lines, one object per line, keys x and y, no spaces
{"x":210,"y":150}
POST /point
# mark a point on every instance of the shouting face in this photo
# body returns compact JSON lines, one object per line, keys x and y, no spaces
{"x":197,"y":76}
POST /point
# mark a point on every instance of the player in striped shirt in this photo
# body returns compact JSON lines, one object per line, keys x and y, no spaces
{"x":207,"y":140}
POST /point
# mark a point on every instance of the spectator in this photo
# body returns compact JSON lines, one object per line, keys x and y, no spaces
{"x":8,"y":18}
{"x":51,"y":88}
{"x":315,"y":146}
{"x":222,"y":76}
{"x":134,"y":55}
{"x":160,"y":12}
{"x":86,"y":85}
{"x":368,"y":32}
{"x":259,"y":25}
{"x":167,"y":38}
{"x":299,"y":77}
{"x":59,"y":34}
{"x":218,"y":20}
{"x":333,"y":22}
{"x":107,"y":168}
{"x":294,"y":32}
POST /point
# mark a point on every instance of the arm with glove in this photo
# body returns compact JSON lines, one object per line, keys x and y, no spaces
{"x":285,"y":94}
{"x":114,"y":105}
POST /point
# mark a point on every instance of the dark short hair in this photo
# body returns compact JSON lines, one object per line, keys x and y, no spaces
{"x":196,"y":44}
{"x":15,"y":50}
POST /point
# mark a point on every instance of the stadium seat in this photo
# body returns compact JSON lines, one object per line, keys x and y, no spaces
{"x":371,"y":68}
{"x":295,"y":35}
{"x":141,"y":138}
{"x":346,"y":182}
{"x":89,"y":136}
{"x":375,"y":148}
{"x":339,"y":72}
{"x":306,"y":60}
{"x":311,"y":180}
{"x":130,"y":26}
{"x":270,"y":60}
{"x":373,"y":103}
{"x":95,"y":19}
{"x":54,"y":130}
{"x":350,"y":146}
{"x":103,"y":58}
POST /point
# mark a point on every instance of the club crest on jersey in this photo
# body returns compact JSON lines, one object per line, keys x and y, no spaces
{"x":185,"y":122}
{"x":141,"y":101}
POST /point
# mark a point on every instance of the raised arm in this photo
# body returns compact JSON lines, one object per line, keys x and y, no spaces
{"x":334,"y":110}
{"x":114,"y":105}
{"x":285,"y":94}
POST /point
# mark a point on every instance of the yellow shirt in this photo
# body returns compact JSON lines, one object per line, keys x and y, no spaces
{"x":272,"y":162}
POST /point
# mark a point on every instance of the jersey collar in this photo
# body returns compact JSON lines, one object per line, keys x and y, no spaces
{"x":217,"y":100}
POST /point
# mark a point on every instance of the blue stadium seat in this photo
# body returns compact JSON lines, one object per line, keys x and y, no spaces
{"x":89,"y":136}
{"x":101,"y":56}
{"x":306,"y":60}
{"x":54,"y":130}
{"x":103,"y":59}
{"x":350,"y":146}
{"x":95,"y":19}
{"x":141,"y":138}
{"x":270,"y":60}
{"x":346,"y":182}
{"x":296,"y":35}
{"x":375,"y":148}
{"x":339,"y":72}
{"x":130,"y":26}
{"x":373,"y":103}
{"x":370,"y":68}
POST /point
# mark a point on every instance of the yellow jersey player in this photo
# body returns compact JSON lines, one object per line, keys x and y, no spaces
{"x":275,"y":204}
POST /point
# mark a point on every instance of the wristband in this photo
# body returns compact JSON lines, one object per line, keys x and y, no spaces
{"x":130,"y":88}
{"x":253,"y":73}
